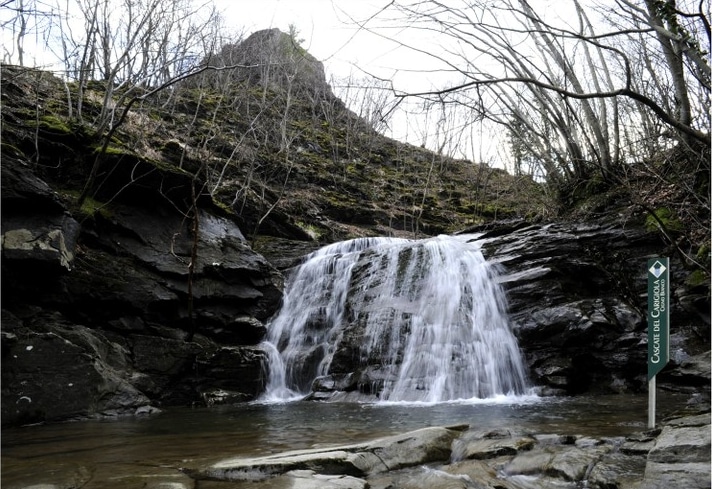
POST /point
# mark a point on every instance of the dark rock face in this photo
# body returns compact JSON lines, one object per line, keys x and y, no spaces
{"x":98,"y":317}
{"x":578,"y":298}
{"x":37,"y":233}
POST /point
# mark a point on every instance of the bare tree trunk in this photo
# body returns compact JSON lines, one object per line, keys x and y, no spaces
{"x":673,"y":57}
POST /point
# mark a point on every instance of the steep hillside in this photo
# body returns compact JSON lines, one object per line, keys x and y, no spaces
{"x":263,"y":136}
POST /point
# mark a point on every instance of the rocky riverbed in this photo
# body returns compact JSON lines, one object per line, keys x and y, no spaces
{"x":461,"y":457}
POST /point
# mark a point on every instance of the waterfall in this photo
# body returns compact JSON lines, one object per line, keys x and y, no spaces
{"x":419,"y":320}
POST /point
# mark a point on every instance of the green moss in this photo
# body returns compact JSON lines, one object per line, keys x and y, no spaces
{"x":223,"y":207}
{"x":663,"y":217}
{"x":698,"y":277}
{"x":91,"y":207}
{"x":54,"y":124}
{"x":9,"y":149}
{"x":314,"y":232}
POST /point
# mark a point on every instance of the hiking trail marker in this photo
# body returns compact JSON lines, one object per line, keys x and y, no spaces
{"x":658,"y":325}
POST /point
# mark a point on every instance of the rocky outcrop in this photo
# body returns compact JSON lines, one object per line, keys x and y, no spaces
{"x":38,"y":233}
{"x":681,"y":455}
{"x":462,"y":458}
{"x":359,"y":460}
{"x":577,"y":300}
{"x":102,"y":314}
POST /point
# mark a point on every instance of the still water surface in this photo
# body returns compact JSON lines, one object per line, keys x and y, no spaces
{"x":193,"y":437}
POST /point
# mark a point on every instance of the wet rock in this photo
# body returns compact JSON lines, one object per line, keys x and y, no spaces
{"x":423,"y":478}
{"x":617,"y":469}
{"x":101,"y":316}
{"x":690,"y":444}
{"x":474,"y":445}
{"x":483,"y":475}
{"x":216,"y":397}
{"x":381,"y":455}
{"x":237,"y":370}
{"x":533,"y":461}
{"x":693,"y":371}
{"x":564,"y":462}
{"x":58,"y":370}
{"x":680,"y":456}
{"x":308,"y":479}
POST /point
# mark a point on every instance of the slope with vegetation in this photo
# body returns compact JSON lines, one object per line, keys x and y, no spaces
{"x":262,"y":135}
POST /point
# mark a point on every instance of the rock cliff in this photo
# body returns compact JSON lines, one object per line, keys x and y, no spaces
{"x":109,"y":316}
{"x":578,"y":299}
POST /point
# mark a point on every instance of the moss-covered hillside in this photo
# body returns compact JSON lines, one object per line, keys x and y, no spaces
{"x":261,"y":134}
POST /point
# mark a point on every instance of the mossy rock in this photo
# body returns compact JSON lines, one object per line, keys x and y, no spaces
{"x":89,"y":208}
{"x":664,"y":217}
{"x":697,"y":278}
{"x":54,"y":124}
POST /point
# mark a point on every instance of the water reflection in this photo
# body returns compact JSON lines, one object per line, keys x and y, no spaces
{"x":101,"y":451}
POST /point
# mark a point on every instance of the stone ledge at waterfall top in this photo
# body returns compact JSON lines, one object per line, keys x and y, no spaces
{"x":461,"y":458}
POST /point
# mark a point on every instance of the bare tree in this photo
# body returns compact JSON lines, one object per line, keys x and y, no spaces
{"x":530,"y":71}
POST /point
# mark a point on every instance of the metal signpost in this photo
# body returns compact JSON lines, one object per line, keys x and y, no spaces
{"x":658,"y":325}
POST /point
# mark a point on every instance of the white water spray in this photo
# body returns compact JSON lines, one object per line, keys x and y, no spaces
{"x":429,"y":315}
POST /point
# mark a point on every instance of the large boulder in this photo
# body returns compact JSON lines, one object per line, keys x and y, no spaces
{"x":54,"y":369}
{"x":681,"y":455}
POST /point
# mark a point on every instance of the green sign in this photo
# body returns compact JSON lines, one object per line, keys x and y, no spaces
{"x":658,"y":315}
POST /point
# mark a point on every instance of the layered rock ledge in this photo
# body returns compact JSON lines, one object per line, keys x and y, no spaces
{"x":461,"y":457}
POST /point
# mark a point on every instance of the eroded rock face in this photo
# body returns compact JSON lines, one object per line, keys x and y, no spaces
{"x":577,"y":300}
{"x":37,"y":232}
{"x":105,"y":318}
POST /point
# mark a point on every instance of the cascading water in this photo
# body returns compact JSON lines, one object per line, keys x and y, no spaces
{"x":425,"y":319}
